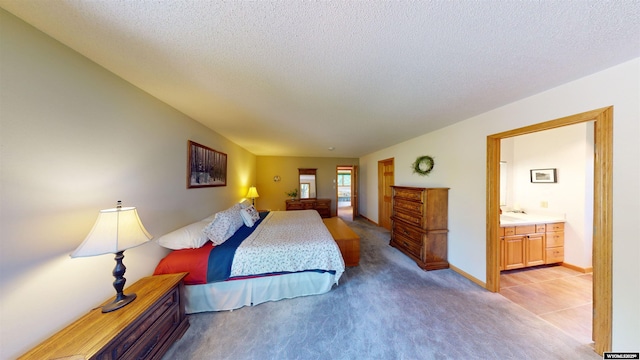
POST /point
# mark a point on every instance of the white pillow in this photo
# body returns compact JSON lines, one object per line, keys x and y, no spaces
{"x":250,"y":215}
{"x":224,"y":225}
{"x":187,"y":237}
{"x":245,"y":204}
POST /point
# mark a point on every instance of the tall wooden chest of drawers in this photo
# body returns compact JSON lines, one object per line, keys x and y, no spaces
{"x":419,"y":225}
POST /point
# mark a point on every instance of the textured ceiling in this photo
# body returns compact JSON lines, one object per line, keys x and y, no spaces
{"x":295,"y":78}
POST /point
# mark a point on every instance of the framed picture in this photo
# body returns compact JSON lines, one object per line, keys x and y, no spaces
{"x":206,"y":167}
{"x":543,"y":176}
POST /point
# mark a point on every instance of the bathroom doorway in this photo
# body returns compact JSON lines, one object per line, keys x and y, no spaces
{"x":602,"y":213}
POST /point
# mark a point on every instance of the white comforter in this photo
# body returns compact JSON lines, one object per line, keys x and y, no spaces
{"x":288,"y":241}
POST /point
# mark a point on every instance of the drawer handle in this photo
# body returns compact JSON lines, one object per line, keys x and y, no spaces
{"x":405,"y":243}
{"x":405,"y":232}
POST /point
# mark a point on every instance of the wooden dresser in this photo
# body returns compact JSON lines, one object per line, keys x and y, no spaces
{"x":144,"y":329}
{"x":322,"y":206}
{"x":419,"y":225}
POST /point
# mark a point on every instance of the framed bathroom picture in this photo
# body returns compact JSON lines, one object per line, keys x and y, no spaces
{"x":543,"y":176}
{"x":205,"y":167}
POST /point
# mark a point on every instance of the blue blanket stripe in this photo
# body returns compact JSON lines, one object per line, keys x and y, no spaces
{"x":221,"y":256}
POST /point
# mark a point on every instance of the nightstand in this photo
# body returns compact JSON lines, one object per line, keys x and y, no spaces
{"x":144,"y":329}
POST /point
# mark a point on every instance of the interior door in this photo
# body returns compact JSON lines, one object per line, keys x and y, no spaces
{"x":354,"y":191}
{"x":385,"y":182}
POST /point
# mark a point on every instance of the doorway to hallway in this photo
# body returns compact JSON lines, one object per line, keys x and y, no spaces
{"x":346,"y":192}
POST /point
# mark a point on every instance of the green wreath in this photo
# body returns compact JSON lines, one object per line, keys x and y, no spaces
{"x":423,"y":165}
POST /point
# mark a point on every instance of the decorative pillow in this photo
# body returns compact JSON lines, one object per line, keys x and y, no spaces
{"x":250,"y":215}
{"x":245,"y":204}
{"x":225,"y":224}
{"x":187,"y":237}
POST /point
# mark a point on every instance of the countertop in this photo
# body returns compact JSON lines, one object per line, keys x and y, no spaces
{"x":515,"y":219}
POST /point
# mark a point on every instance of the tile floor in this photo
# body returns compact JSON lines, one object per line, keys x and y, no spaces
{"x":556,"y":294}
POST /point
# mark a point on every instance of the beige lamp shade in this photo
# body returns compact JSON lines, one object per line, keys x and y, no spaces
{"x":253,"y":193}
{"x":115,"y":230}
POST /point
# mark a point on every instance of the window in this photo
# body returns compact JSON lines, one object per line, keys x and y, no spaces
{"x":344,"y":179}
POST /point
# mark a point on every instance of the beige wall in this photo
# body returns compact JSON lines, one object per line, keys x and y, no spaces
{"x":460,"y":160}
{"x":272,"y":194}
{"x":74,"y":139}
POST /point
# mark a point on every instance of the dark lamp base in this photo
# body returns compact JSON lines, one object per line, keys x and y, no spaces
{"x":118,"y":303}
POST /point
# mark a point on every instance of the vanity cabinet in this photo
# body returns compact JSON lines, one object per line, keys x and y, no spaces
{"x":555,"y":243}
{"x":322,"y":206}
{"x":419,"y":225}
{"x":531,"y":245}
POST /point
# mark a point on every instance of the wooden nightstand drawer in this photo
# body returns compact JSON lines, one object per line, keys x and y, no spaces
{"x":123,"y":342}
{"x":156,"y":336}
{"x":144,"y":329}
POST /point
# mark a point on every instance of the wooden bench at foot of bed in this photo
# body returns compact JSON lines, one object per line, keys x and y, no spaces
{"x":348,"y":241}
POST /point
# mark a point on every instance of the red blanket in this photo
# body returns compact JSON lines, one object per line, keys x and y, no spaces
{"x":193,"y":261}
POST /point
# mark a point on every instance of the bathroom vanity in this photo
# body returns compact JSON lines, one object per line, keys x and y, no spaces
{"x":530,"y":240}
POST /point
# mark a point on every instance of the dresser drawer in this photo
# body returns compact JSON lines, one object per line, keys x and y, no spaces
{"x":410,"y":246}
{"x":409,"y":194}
{"x":155,"y":338}
{"x":412,"y":219}
{"x":407,"y":231}
{"x":555,"y":255}
{"x":295,"y":206}
{"x":555,"y":239}
{"x":408,"y":206}
{"x":129,"y":337}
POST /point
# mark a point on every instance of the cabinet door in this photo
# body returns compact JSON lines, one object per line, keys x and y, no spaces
{"x":514,"y":252}
{"x":501,"y":253}
{"x":535,"y":250}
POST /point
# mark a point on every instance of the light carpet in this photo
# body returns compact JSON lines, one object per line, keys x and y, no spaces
{"x":386,"y":308}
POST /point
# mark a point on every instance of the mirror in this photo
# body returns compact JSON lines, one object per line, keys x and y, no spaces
{"x":307,"y":183}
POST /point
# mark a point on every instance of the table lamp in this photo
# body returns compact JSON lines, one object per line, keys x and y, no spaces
{"x":253,"y":194}
{"x":115,"y":231}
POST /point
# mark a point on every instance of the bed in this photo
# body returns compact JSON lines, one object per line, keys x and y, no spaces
{"x":281,"y":255}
